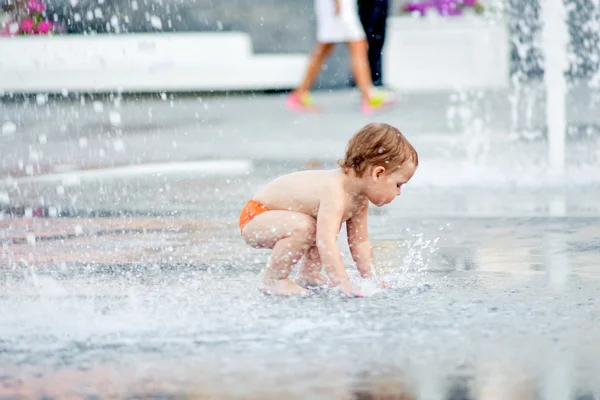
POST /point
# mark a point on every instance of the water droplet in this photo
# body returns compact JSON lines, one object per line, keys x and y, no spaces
{"x":98,"y":13}
{"x":4,"y":198}
{"x":114,"y":21}
{"x":77,"y":17}
{"x":9,"y":128}
{"x":30,"y":238}
{"x":83,"y":142}
{"x":115,"y":118}
{"x":60,"y":190}
{"x":134,"y":5}
{"x":155,"y":22}
{"x":40,"y":99}
{"x":119,"y":145}
{"x":78,"y":230}
{"x":98,"y":106}
{"x":43,"y":139}
{"x":13,"y":28}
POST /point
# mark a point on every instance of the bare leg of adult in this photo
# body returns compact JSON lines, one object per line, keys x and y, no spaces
{"x":317,"y":59}
{"x":361,"y":71}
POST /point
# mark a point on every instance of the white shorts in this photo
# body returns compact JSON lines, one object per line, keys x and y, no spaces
{"x":345,"y":27}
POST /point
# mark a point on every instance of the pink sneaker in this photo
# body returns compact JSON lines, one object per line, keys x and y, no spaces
{"x":302,"y":103}
{"x":379,"y":101}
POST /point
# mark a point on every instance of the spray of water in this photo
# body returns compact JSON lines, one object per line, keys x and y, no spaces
{"x":555,"y":38}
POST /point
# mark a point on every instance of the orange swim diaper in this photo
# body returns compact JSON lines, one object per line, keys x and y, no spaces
{"x":251,"y":210}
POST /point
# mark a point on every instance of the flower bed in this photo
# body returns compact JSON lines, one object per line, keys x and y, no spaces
{"x":443,"y":7}
{"x":30,"y":20}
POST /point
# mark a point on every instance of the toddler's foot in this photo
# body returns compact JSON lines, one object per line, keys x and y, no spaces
{"x":346,"y":289}
{"x":281,"y":287}
{"x":378,"y":101}
{"x":302,"y":103}
{"x":314,"y":280}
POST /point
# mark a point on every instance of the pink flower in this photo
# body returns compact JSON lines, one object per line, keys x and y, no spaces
{"x":43,"y":27}
{"x":36,"y":6}
{"x":5,"y":31}
{"x":27,"y":26}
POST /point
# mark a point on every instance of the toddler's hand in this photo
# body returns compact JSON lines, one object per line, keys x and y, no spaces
{"x":348,"y":290}
{"x":385,"y":285}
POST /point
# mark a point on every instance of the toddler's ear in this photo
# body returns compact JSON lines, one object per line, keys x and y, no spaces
{"x":378,"y":172}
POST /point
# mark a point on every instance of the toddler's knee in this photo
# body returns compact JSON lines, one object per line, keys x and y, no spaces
{"x":305,"y":230}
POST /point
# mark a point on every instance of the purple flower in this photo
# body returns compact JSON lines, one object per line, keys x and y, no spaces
{"x":448,"y":7}
{"x":420,"y":7}
{"x":444,"y":7}
{"x":36,"y":6}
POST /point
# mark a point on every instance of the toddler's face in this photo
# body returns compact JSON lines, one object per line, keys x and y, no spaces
{"x":386,"y":187}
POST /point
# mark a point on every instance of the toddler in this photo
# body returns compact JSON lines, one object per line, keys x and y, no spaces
{"x":299,"y":215}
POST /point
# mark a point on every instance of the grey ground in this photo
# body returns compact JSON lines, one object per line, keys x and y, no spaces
{"x":142,"y":287}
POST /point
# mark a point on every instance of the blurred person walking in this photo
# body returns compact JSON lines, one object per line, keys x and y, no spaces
{"x":373,"y":16}
{"x":338,"y":21}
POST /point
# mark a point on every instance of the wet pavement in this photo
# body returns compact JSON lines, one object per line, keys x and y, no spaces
{"x":140,"y":286}
{"x":53,"y":133}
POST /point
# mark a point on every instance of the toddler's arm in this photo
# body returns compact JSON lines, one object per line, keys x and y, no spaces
{"x":329,"y":217}
{"x":360,"y":245}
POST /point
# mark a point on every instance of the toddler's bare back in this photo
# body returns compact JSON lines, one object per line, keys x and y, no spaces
{"x":302,"y":191}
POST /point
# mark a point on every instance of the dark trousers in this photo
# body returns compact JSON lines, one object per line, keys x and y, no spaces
{"x":373,"y":15}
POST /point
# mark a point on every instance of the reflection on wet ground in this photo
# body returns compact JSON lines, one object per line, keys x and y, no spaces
{"x":151,"y":293}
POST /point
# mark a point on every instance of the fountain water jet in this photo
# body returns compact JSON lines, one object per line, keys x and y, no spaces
{"x":555,"y":38}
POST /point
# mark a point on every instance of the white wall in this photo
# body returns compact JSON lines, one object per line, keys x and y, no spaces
{"x":425,"y":54}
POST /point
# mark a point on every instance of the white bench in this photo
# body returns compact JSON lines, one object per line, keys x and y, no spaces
{"x":143,"y":62}
{"x":428,"y":54}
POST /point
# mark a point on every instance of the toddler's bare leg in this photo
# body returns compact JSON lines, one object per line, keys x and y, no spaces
{"x":310,"y":272}
{"x":289,"y":234}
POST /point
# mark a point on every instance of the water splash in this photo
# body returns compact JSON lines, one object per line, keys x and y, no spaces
{"x":555,"y":37}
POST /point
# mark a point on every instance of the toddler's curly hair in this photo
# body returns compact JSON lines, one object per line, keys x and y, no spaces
{"x":378,"y":144}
